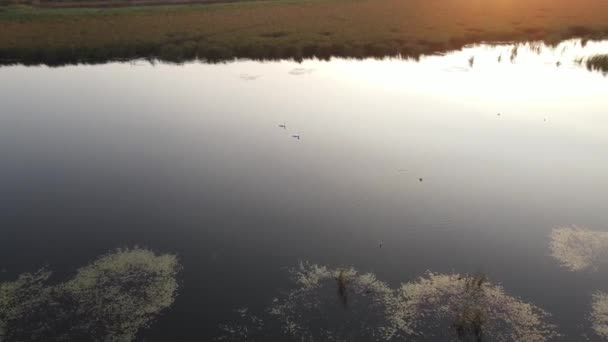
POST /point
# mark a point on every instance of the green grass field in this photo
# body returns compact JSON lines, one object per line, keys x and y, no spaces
{"x":288,"y":29}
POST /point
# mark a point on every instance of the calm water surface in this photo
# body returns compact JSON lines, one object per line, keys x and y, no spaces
{"x":461,"y":163}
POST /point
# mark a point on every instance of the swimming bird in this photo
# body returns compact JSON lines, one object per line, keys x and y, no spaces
{"x":283,"y":126}
{"x":420,"y":179}
{"x":297,"y":136}
{"x":380,"y":244}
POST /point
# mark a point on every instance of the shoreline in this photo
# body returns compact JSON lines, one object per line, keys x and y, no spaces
{"x":71,"y":4}
{"x":286,"y":29}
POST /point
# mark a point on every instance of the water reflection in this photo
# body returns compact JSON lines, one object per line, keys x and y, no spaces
{"x":590,"y":53}
{"x":110,"y":299}
{"x":598,"y":63}
{"x":579,"y":248}
{"x":447,"y":306}
{"x":571,"y":53}
{"x":240,"y":197}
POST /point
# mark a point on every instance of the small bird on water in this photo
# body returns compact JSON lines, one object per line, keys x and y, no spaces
{"x":296,"y":136}
{"x":380,"y":244}
{"x":283,"y":126}
{"x":420,"y":179}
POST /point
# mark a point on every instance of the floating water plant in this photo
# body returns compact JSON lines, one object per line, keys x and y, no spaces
{"x":447,"y":306}
{"x":311,"y":311}
{"x":474,"y":306}
{"x":111,"y":299}
{"x":599,"y":314}
{"x":579,"y":248}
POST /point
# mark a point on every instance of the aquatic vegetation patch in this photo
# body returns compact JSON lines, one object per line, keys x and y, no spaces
{"x":249,"y":328}
{"x":599,"y":314}
{"x":333,"y":305}
{"x":343,"y":304}
{"x":21,"y":302}
{"x":474,"y":308}
{"x":579,"y":248}
{"x":109,"y":300}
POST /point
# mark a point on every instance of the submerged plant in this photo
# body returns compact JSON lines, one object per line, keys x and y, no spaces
{"x":599,"y":314}
{"x":474,"y":306}
{"x":455,"y":307}
{"x":109,"y":300}
{"x":25,"y":304}
{"x":469,"y":322}
{"x":579,"y":248}
{"x":249,"y":327}
{"x":311,"y":312}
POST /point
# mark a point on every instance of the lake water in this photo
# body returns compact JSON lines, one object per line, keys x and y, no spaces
{"x":463,"y":163}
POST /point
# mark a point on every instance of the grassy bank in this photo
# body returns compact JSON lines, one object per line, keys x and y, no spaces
{"x":288,"y":29}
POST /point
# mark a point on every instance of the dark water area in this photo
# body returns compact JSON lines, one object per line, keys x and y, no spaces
{"x":463,"y":163}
